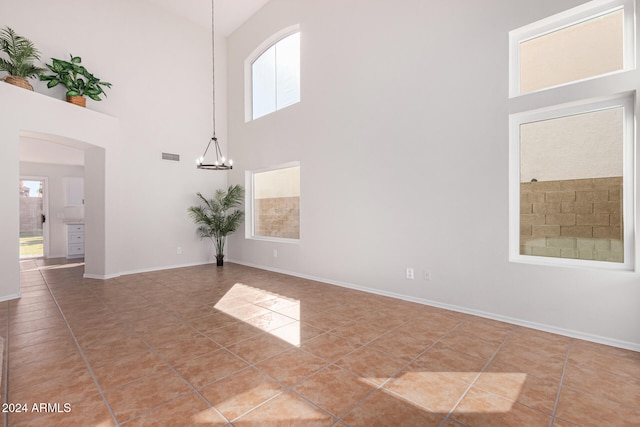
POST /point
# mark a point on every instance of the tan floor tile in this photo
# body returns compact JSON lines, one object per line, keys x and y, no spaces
{"x":461,"y":366}
{"x":153,"y":323}
{"x":485,"y":329}
{"x":546,"y":344}
{"x":329,"y":347}
{"x":137,"y":397}
{"x":292,"y":366}
{"x":435,"y":391}
{"x":122,"y":370}
{"x":374,"y":366}
{"x":246,"y":311}
{"x":259,"y":347}
{"x":40,"y":371}
{"x":57,"y":349}
{"x":269,"y":321}
{"x":210,"y":367}
{"x":241,"y":392}
{"x":483,"y":409}
{"x":102,"y":336}
{"x":38,"y":337}
{"x":213,"y":321}
{"x":232,"y":334}
{"x":18,"y":308}
{"x":296,"y":333}
{"x":164,"y":311}
{"x":286,"y":409}
{"x":519,"y":387}
{"x":529,"y":361}
{"x":326,"y":321}
{"x":383,"y":410}
{"x":589,"y":410}
{"x":187,"y":410}
{"x":464,"y":342}
{"x":36,"y":325}
{"x":24,"y":316}
{"x":167,"y":334}
{"x":359,"y":333}
{"x":561,"y":423}
{"x":103,"y":353}
{"x":605,"y":358}
{"x":404,"y":346}
{"x":622,"y":389}
{"x":279,"y":303}
{"x":177,"y":352}
{"x":335,"y":390}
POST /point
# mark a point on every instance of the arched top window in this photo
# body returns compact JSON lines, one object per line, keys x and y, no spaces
{"x":275,"y":75}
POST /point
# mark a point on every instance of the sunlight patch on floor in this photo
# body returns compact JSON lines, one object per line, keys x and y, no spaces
{"x":439,"y":391}
{"x":286,"y":308}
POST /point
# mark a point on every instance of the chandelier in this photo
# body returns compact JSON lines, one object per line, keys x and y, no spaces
{"x":219,"y":164}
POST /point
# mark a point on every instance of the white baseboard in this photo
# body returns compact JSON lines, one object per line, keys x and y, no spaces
{"x":533,"y":325}
{"x":100,"y":276}
{"x":169,"y":267}
{"x":10,"y":297}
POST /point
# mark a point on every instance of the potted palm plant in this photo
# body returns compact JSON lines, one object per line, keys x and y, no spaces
{"x":214,"y":219}
{"x":21,"y":56}
{"x":75,"y":77}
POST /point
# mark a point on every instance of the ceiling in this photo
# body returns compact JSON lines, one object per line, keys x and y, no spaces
{"x":229,"y":14}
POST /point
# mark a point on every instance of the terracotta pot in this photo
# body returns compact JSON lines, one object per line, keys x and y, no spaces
{"x":18,"y":81}
{"x":77,"y":100}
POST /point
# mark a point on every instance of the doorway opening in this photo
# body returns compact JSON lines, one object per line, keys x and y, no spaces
{"x":33,"y":217}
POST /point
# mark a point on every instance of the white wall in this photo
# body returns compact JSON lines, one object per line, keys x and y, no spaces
{"x":56,"y":198}
{"x":402,"y":138}
{"x":160,"y":67}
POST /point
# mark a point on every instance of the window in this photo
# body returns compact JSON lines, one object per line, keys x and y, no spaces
{"x":275,"y":76}
{"x":586,"y":42}
{"x":572,"y":163}
{"x":275,"y":203}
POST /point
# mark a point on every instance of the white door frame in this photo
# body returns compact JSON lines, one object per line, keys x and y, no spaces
{"x":45,"y":210}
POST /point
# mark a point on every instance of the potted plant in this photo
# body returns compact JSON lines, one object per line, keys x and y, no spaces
{"x":214,"y":220}
{"x":22,"y":53}
{"x":75,"y":77}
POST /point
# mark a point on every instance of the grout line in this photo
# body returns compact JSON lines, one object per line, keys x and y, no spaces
{"x":171,"y":367}
{"x":84,"y":358}
{"x":391,"y":378}
{"x":564,"y":371}
{"x":486,"y":365}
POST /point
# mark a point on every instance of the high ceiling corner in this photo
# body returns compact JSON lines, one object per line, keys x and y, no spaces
{"x":229,"y":14}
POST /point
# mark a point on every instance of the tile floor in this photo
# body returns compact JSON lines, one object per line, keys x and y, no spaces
{"x":245,"y":347}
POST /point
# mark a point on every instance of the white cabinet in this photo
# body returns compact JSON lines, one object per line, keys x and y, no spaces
{"x":73,"y":191}
{"x":75,"y":240}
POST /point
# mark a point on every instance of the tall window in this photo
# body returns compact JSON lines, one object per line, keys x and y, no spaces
{"x":275,"y":202}
{"x":571,"y":164}
{"x":275,"y":76}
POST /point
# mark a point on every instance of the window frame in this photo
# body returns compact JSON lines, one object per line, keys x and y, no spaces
{"x":249,"y":185}
{"x":627,"y":101}
{"x":568,"y":18}
{"x":248,"y":71}
{"x":618,"y":88}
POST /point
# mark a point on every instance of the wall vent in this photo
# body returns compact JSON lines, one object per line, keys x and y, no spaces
{"x":170,"y":156}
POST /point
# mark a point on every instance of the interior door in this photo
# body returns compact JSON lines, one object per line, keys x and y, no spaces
{"x":33,"y":217}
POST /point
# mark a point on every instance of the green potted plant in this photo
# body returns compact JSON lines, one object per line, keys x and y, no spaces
{"x":214,"y":219}
{"x":75,"y":77}
{"x":22,"y":53}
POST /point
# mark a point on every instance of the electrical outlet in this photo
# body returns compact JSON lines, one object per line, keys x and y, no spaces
{"x":409,"y":273}
{"x":427,"y":275}
{"x":179,"y":250}
{"x":275,"y":253}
